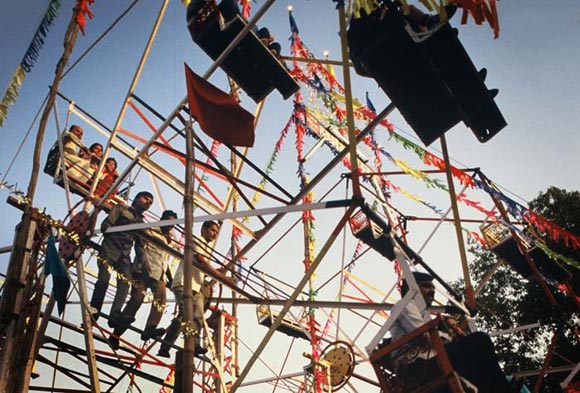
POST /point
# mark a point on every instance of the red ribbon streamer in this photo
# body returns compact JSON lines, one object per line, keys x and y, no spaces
{"x":82,"y":9}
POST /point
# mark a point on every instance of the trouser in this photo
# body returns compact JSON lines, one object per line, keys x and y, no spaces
{"x":79,"y":168}
{"x":177,"y":324}
{"x":123,"y":271}
{"x":138,"y":292}
{"x":472,"y":357}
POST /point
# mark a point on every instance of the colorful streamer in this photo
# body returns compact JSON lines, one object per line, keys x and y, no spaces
{"x":28,"y":61}
{"x":83,"y":11}
{"x":480,"y":10}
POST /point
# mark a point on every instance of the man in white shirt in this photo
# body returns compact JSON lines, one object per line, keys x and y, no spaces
{"x":472,"y":356}
{"x":202,"y":253}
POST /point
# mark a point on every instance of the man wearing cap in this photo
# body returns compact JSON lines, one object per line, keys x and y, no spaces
{"x":115,"y":254}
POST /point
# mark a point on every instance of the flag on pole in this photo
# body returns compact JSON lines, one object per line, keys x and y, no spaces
{"x":219,"y":115}
{"x":370,"y":104}
{"x":60,"y":281}
{"x":293,"y":25}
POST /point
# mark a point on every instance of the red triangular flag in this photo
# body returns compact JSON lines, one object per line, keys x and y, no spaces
{"x":219,"y":115}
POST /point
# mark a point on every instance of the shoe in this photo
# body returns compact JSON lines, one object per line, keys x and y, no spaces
{"x":113,"y":342}
{"x":199,"y":350}
{"x":152,"y":332}
{"x":94,"y":313}
{"x":164,"y":353}
{"x":120,"y":321}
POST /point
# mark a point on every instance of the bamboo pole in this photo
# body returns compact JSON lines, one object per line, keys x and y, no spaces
{"x":189,"y":346}
{"x":352,"y":145}
{"x":69,"y":43}
{"x":13,"y":291}
{"x":469,"y":297}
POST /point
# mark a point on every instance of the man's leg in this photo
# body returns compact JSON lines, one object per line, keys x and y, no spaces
{"x":138,"y":291}
{"x":473,"y":357}
{"x":122,"y":321}
{"x":198,"y":311}
{"x":159,"y":298}
{"x":174,"y":328}
{"x":123,"y":268}
{"x":101,"y":286}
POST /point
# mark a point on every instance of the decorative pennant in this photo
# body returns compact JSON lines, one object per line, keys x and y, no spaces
{"x":83,"y":11}
{"x":29,"y":59}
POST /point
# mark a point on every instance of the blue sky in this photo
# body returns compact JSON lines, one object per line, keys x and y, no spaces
{"x":532,"y":63}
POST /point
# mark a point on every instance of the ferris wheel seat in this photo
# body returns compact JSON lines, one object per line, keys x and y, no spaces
{"x":396,"y":377}
{"x":369,"y":228}
{"x":250,"y":64}
{"x":266,"y":317}
{"x":501,"y":242}
{"x":428,"y":76}
{"x":82,"y":189}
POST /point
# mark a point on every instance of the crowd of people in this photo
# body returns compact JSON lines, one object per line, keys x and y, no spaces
{"x":149,"y":269}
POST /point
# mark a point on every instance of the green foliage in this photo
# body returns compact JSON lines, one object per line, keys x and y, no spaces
{"x":508,"y":300}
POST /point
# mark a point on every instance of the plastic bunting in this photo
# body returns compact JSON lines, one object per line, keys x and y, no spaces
{"x":370,"y":104}
{"x":553,"y":231}
{"x":168,"y":380}
{"x":273,"y":158}
{"x":246,"y":8}
{"x":28,"y":61}
{"x":213,"y":152}
{"x":476,"y":205}
{"x":315,"y":78}
{"x":368,"y":6}
{"x":299,"y":118}
{"x":83,"y":12}
{"x":11,"y":93}
{"x":480,"y":10}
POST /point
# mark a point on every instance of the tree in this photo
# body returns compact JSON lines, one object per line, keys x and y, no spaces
{"x":508,"y":300}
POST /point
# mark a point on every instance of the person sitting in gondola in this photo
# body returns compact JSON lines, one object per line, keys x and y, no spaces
{"x":75,"y":153}
{"x":229,"y":9}
{"x":95,"y":154}
{"x":108,"y":177}
{"x":472,"y":355}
